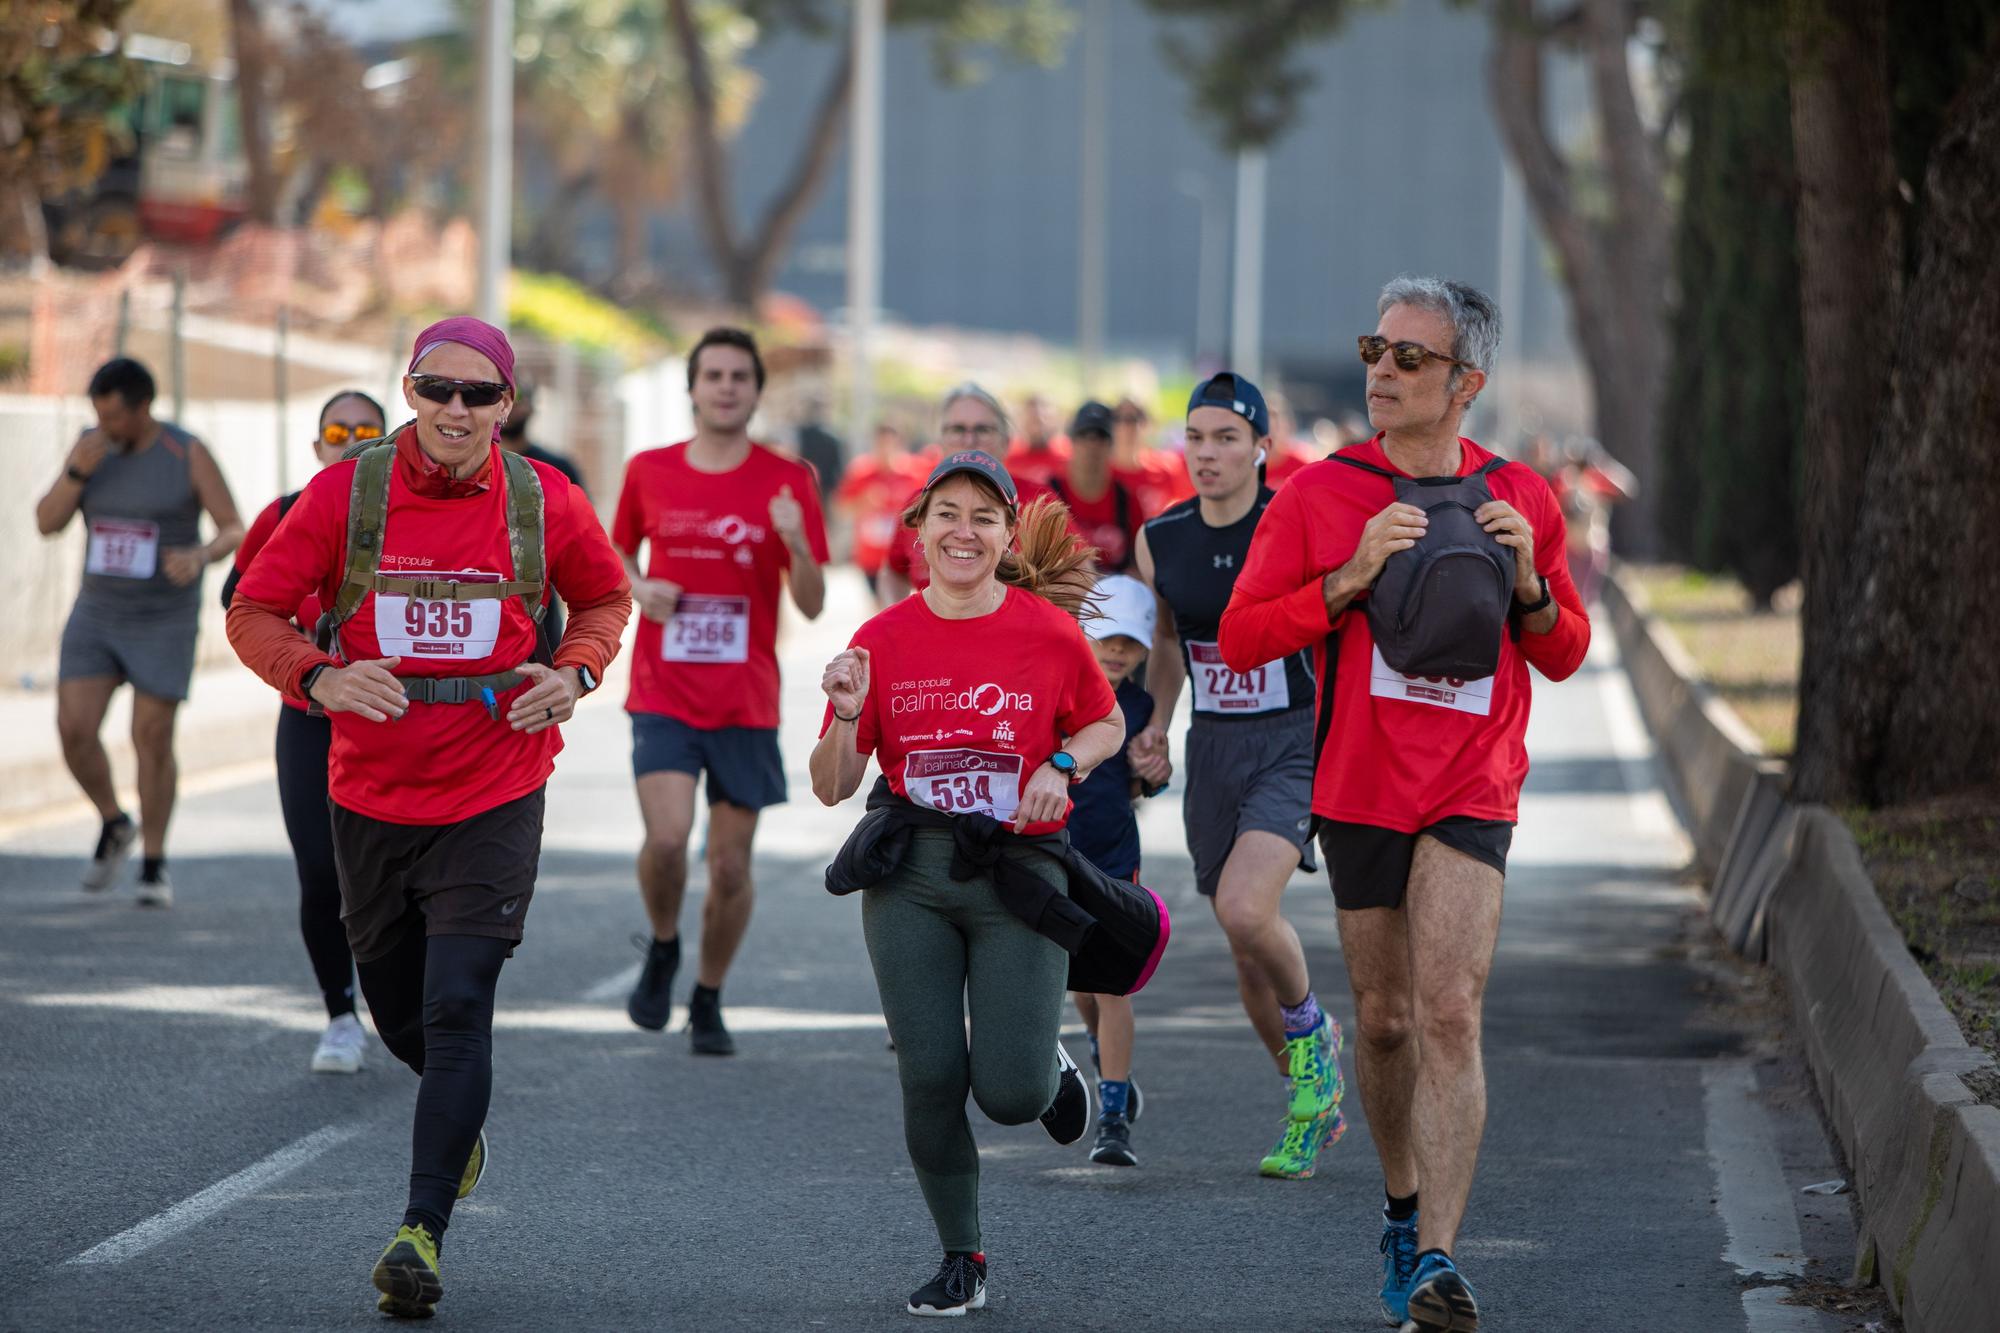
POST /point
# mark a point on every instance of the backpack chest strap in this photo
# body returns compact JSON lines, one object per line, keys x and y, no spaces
{"x":444,"y":590}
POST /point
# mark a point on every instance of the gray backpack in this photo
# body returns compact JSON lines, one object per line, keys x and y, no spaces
{"x":1441,"y":607}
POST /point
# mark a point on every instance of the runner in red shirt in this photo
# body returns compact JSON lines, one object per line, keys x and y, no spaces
{"x":445,"y":714}
{"x":1156,"y":477}
{"x":1288,"y":455}
{"x":304,"y":741}
{"x":1419,"y":781}
{"x":1036,"y":455}
{"x":1102,"y":509}
{"x":873,"y":495}
{"x":728,"y":524}
{"x":979,"y":696}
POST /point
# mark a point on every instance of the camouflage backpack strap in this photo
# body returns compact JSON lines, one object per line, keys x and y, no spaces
{"x":524,"y":535}
{"x":367,"y":516}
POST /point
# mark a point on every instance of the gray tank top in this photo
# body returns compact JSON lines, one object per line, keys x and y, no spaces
{"x":135,"y":508}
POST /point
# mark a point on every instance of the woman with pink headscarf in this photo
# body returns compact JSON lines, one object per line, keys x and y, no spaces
{"x":445,"y":702}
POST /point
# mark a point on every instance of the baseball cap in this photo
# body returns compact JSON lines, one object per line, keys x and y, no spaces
{"x":979,"y":464}
{"x":1235,"y":393}
{"x":1124,"y":606}
{"x":1093,"y":418}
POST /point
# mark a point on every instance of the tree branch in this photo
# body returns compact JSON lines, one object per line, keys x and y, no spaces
{"x":785,"y":211}
{"x":711,"y":160}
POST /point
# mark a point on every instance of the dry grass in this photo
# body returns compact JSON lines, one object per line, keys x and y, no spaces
{"x":1750,"y":659}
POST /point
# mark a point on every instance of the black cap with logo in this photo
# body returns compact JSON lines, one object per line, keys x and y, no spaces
{"x":979,"y":464}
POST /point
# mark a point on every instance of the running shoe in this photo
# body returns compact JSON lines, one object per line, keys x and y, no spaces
{"x":1399,"y":1268}
{"x":1114,"y":1143}
{"x":1440,"y":1301}
{"x":1298,"y":1148}
{"x":157,"y":891}
{"x":1069,"y":1114}
{"x":114,"y":843}
{"x":960,"y":1285}
{"x":1314,"y":1068}
{"x":475,"y":1166}
{"x":706,"y":1034}
{"x":407,"y":1275}
{"x":341,"y":1047}
{"x":652,"y":998}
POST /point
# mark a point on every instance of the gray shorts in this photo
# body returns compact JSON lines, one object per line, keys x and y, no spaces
{"x":1244,"y":774}
{"x":154,"y":653}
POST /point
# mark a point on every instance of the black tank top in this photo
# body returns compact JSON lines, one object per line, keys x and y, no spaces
{"x":1194,"y":569}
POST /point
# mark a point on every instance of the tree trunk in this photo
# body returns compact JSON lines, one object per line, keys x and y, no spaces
{"x":747,"y":267}
{"x":1918,"y":676}
{"x":1614,"y":270}
{"x":252,"y":70}
{"x":1850,"y":259}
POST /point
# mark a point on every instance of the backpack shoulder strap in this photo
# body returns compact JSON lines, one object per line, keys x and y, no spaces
{"x":1492,"y":465}
{"x":367,"y":515}
{"x":524,"y":533}
{"x":1365,"y":467}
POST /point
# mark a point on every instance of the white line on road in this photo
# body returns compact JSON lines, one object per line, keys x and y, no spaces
{"x":224,"y":1193}
{"x":613,"y":986}
{"x":1652,"y":816}
{"x":1755,"y":1202}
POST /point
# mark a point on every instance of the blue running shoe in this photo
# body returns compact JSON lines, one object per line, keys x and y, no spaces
{"x":1399,"y":1268}
{"x":1440,"y":1301}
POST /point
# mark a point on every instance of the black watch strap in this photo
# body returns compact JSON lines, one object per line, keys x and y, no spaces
{"x":80,"y":478}
{"x":1529,"y":608}
{"x":586,"y":678}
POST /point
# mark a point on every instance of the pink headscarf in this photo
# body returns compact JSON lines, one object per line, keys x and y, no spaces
{"x":466,"y":331}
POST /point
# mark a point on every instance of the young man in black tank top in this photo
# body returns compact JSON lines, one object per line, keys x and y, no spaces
{"x":1249,"y":762}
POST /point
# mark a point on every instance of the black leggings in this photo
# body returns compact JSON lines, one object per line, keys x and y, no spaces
{"x":432,"y":1002}
{"x":302,"y":746}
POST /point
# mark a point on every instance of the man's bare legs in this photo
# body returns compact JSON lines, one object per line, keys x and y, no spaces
{"x":1270,"y":962}
{"x":725,"y":914}
{"x":1376,"y":945}
{"x":80,"y":708}
{"x":666,"y":804}
{"x":153,"y":743}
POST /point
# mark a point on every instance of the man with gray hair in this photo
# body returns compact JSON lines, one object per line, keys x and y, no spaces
{"x":1422,"y":752}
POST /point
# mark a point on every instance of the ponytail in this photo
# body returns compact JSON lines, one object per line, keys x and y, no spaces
{"x":1050,"y":560}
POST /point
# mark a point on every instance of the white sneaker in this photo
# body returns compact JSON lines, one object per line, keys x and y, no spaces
{"x":341,"y":1047}
{"x":114,"y":844}
{"x":156,"y":892}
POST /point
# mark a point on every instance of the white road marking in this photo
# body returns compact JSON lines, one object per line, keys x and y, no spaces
{"x":617,"y":984}
{"x":223,"y":1194}
{"x":1652,"y":816}
{"x":1751,"y":1195}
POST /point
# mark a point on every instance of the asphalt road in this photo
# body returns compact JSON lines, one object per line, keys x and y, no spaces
{"x":166,"y":1160}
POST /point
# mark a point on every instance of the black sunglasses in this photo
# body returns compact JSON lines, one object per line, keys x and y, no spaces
{"x":438,"y":389}
{"x":1409,"y":356}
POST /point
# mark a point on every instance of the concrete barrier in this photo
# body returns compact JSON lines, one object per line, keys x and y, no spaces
{"x":1888,"y":1058}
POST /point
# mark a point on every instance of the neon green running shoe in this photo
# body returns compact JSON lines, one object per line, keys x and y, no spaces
{"x":475,"y":1166}
{"x":1299,"y":1148}
{"x":1313,"y":1063}
{"x":407,"y":1275}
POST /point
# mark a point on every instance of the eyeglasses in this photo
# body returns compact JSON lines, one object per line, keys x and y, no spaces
{"x":958,"y":430}
{"x":438,"y":389}
{"x":336,"y":434}
{"x":1129,"y":418}
{"x":1409,"y":355}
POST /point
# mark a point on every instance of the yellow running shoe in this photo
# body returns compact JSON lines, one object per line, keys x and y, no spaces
{"x":1299,"y":1147}
{"x":475,"y":1166}
{"x":407,"y":1275}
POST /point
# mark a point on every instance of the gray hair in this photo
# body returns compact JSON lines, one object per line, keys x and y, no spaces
{"x":968,"y":389}
{"x":1475,"y":319}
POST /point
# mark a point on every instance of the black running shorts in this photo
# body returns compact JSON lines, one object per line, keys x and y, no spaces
{"x":475,"y":877}
{"x":1370,"y":865}
{"x":744,"y":765}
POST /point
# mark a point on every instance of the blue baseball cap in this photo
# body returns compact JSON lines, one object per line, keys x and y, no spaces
{"x":1235,"y":394}
{"x":979,"y":464}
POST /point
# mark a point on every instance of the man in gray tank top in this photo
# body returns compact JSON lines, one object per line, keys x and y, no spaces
{"x":141,"y":486}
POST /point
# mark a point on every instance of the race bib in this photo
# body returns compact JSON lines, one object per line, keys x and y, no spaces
{"x":964,"y":782}
{"x":707,"y":629}
{"x":1465,"y":696}
{"x":124,"y":548}
{"x":436,"y":630}
{"x":1217,"y":689}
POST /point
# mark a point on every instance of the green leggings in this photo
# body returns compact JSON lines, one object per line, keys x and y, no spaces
{"x":940,"y":946}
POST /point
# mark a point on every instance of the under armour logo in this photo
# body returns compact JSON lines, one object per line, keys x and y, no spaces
{"x":1225,"y":562}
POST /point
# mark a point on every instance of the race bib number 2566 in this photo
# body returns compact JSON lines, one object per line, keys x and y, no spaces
{"x":707,"y":629}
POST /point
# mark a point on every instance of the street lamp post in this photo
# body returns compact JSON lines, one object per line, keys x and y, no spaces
{"x":1246,"y":334}
{"x":864,"y":218}
{"x":1208,"y":265}
{"x":496,"y":157}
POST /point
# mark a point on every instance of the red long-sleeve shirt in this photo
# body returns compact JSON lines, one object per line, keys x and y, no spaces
{"x":1400,"y":753}
{"x":438,"y":763}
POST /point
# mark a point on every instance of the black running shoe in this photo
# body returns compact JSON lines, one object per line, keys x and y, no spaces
{"x":652,"y":999}
{"x":960,"y":1285}
{"x":1069,"y":1114}
{"x":706,"y":1034}
{"x":1114,"y":1143}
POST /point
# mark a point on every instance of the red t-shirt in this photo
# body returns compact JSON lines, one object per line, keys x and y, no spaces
{"x":438,"y":763}
{"x":960,"y":713}
{"x":715,"y":664}
{"x":1027,"y":463}
{"x":1151,"y":482}
{"x":1285,"y":462}
{"x":1097,"y":522}
{"x":307,"y":616}
{"x":906,"y":555}
{"x":877,"y":493}
{"x":1402,"y":752}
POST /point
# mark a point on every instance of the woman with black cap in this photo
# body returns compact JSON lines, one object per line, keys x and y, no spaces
{"x":979,"y":697}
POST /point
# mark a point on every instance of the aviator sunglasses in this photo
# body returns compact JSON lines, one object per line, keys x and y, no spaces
{"x":335,"y":433}
{"x":438,"y":389}
{"x":1409,"y":356}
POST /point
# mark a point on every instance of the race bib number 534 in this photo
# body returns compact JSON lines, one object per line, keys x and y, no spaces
{"x":964,"y":782}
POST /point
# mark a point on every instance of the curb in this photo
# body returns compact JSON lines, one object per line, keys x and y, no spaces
{"x":1886,"y":1054}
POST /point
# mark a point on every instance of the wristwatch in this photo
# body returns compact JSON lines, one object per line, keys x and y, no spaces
{"x":306,"y":681}
{"x":586,"y":678}
{"x":1063,"y":762}
{"x":74,"y":474}
{"x":1529,"y":608}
